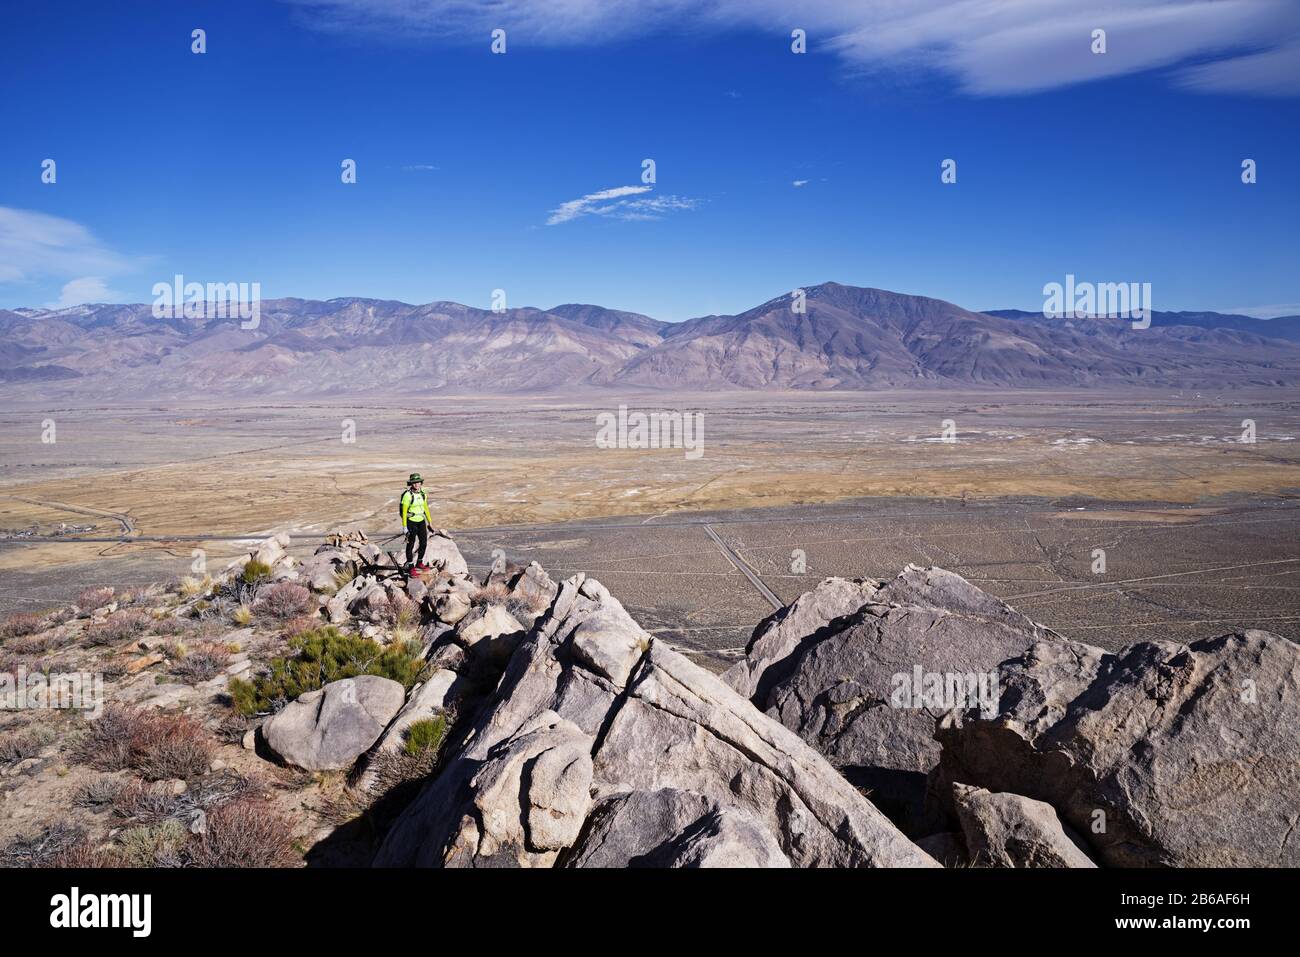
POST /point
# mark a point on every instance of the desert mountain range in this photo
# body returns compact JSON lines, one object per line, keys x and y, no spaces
{"x":847,"y":338}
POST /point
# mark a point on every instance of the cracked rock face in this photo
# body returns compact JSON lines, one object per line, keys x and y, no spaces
{"x":672,"y":828}
{"x":774,"y":649}
{"x":591,"y":711}
{"x":876,"y":666}
{"x":1164,"y":754}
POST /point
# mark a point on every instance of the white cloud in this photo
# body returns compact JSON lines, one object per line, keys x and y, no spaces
{"x":800,"y":182}
{"x":990,"y":47}
{"x":36,"y":246}
{"x":83,"y":290}
{"x":615,"y":204}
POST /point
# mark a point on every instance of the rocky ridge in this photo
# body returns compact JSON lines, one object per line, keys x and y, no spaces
{"x":918,"y":722}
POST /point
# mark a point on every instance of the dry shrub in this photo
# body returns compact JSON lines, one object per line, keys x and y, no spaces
{"x":148,"y":804}
{"x":524,"y":609}
{"x":158,"y":746}
{"x":143,"y":803}
{"x":213,"y":790}
{"x":39,"y":644}
{"x":493,"y":593}
{"x":46,"y":848}
{"x":282,"y":602}
{"x":232,"y":727}
{"x":191,"y":586}
{"x":61,"y":616}
{"x":299,"y":626}
{"x":245,"y":833}
{"x":21,"y":624}
{"x":201,"y":663}
{"x":119,"y":627}
{"x":396,"y":610}
{"x":83,"y":854}
{"x":93,"y":598}
{"x":169,"y":626}
{"x":98,"y":794}
{"x":27,"y":743}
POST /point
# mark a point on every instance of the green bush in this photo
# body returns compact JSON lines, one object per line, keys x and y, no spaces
{"x":425,"y":735}
{"x":323,"y":655}
{"x":255,"y":571}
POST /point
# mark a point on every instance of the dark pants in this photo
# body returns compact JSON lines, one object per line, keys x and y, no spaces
{"x":416,"y":530}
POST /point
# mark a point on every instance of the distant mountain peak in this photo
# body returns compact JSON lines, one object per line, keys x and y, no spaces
{"x":847,"y":337}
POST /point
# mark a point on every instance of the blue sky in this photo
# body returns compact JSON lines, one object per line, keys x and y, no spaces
{"x":225,"y":166}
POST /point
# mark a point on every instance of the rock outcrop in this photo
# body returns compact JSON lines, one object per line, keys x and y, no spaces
{"x":672,"y":828}
{"x":1165,"y":754}
{"x":591,"y":714}
{"x":328,"y":729}
{"x":861,"y":671}
{"x":1008,"y":830}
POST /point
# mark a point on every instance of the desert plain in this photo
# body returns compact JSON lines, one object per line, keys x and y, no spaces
{"x":1107,"y":516}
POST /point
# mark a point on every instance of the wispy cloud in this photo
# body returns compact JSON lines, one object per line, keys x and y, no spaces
{"x":418,"y":168}
{"x":799,"y":182}
{"x":39,"y":247}
{"x":1271,"y":73}
{"x":991,"y":47}
{"x":616,"y":204}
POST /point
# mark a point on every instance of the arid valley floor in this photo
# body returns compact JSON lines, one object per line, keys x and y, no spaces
{"x":1200,"y":530}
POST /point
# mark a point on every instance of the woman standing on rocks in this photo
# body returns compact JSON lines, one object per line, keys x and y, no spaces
{"x":415,"y":519}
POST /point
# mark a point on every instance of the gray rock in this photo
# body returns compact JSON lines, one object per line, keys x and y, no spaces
{"x":447,"y":655}
{"x":330,"y":728}
{"x":443,"y":554}
{"x":416,"y":590}
{"x":319,"y":574}
{"x":490,"y":633}
{"x":452,"y":598}
{"x":673,"y":828}
{"x":1009,"y":830}
{"x":667,"y":724}
{"x":436,"y":696}
{"x":451,"y":607}
{"x":333,"y":554}
{"x":486,"y":621}
{"x":371,"y":603}
{"x":779,"y":639}
{"x":946,"y":847}
{"x":336,"y":609}
{"x":271,"y":550}
{"x":532,"y":591}
{"x":530,"y":797}
{"x":858,"y":689}
{"x":1165,"y":754}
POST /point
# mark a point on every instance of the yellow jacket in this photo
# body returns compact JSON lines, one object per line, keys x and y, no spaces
{"x":415,"y":507}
